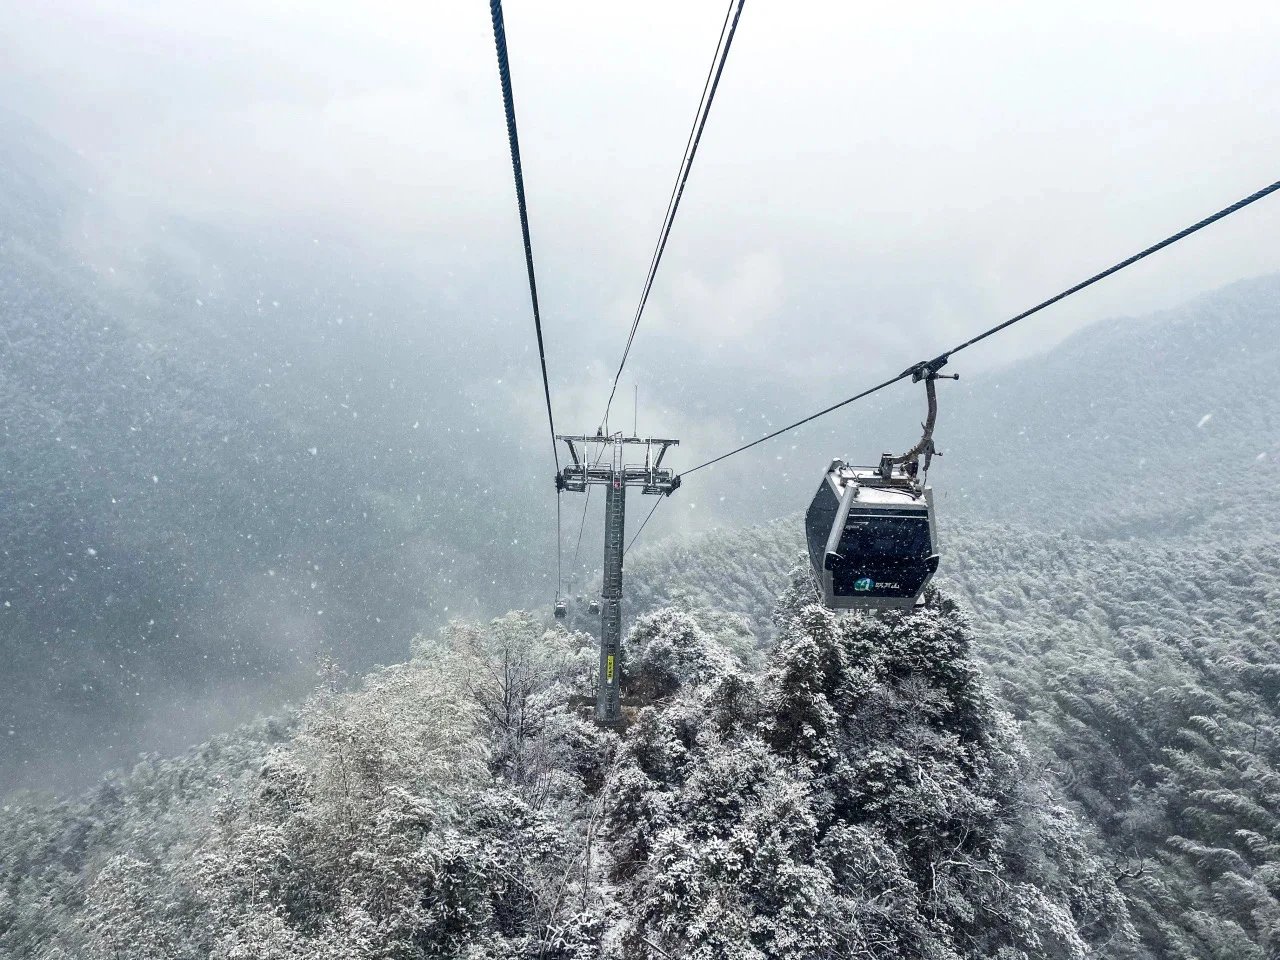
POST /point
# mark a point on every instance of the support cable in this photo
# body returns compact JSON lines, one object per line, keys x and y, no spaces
{"x":581,"y":527}
{"x":682,"y":177}
{"x":932,"y":366}
{"x":652,"y":511}
{"x":508,"y":103}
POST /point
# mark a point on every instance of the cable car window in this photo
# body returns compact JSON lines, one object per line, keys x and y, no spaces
{"x":886,"y":537}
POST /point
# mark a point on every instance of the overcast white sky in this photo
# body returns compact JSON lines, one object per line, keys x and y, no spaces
{"x":876,"y":180}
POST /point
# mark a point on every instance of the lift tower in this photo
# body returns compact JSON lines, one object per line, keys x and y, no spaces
{"x":615,"y":476}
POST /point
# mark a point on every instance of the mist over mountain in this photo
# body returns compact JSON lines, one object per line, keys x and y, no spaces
{"x":1150,"y":426}
{"x":231,"y":450}
{"x":280,"y":671}
{"x":260,"y":452}
{"x":280,"y":676}
{"x":226,"y":454}
{"x":242,"y":469}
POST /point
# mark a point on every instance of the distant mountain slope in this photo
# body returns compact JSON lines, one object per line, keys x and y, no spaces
{"x":218,"y":460}
{"x":1104,"y":434}
{"x":1144,"y":426}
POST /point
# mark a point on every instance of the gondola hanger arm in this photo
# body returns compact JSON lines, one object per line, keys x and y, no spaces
{"x":928,"y":372}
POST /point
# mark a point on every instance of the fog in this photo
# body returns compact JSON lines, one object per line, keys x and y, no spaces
{"x":900,"y":174}
{"x":312,"y":204}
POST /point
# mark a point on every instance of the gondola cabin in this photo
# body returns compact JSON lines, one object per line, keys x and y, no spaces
{"x":871,"y":537}
{"x":562,"y":609}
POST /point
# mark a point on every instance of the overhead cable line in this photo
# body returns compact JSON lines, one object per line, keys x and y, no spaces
{"x":509,"y":105}
{"x":727,"y":30}
{"x":508,"y":102}
{"x":581,"y":527}
{"x":941,"y":359}
{"x":937,"y":362}
{"x":652,"y":510}
{"x":1168,"y":241}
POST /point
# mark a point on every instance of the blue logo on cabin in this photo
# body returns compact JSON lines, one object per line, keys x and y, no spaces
{"x":864,"y":583}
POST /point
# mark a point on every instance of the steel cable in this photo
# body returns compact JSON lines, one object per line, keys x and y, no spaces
{"x":682,"y":177}
{"x":508,"y":103}
{"x":943,"y":357}
{"x":652,"y":511}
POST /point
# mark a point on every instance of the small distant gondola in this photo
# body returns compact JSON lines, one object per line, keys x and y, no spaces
{"x":562,"y":609}
{"x":870,"y":530}
{"x":593,"y":607}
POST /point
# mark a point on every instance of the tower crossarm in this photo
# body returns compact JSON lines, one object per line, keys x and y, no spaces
{"x":650,"y":476}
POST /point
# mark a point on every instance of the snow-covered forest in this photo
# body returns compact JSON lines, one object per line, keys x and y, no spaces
{"x":1141,"y":673}
{"x":1051,"y":773}
{"x":860,"y":795}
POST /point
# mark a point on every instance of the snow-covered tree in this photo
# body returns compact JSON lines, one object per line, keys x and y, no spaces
{"x":866,"y":798}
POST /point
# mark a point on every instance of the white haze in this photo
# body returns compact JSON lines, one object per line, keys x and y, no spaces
{"x":899,"y":174}
{"x":876,"y":182}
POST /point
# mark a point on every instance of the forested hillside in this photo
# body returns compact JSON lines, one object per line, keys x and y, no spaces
{"x":861,"y":795}
{"x":1141,"y":675}
{"x":1145,"y":674}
